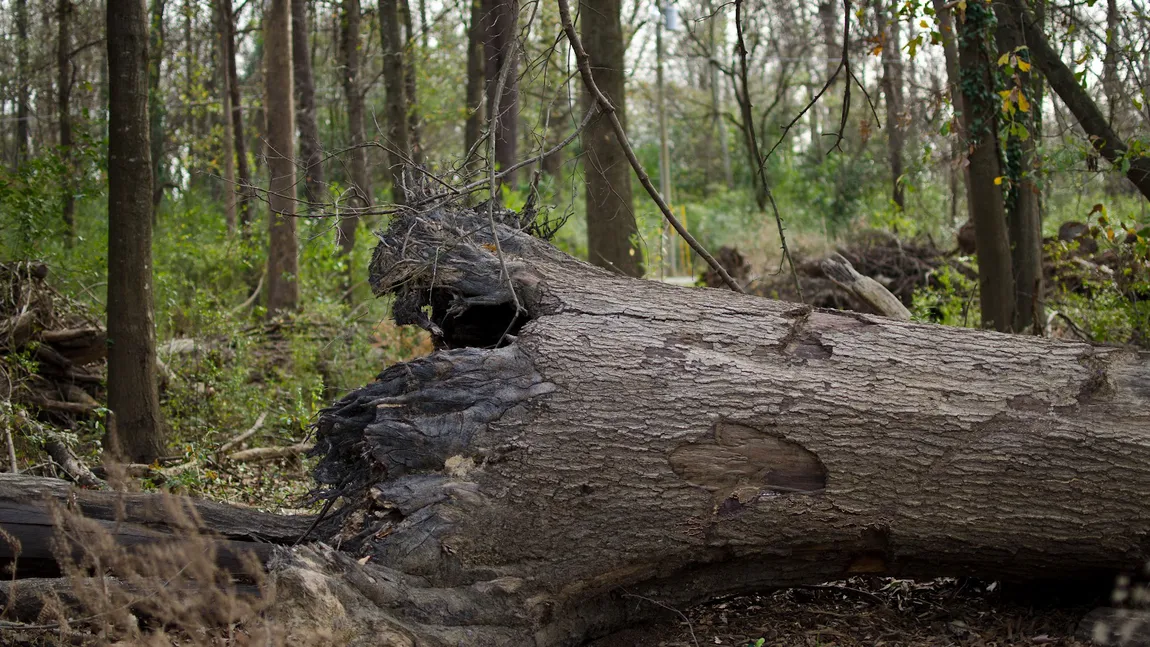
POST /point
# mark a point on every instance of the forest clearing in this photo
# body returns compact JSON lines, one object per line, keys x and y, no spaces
{"x":658,"y":323}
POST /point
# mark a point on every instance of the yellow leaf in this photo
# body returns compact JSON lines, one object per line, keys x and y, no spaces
{"x":876,"y":51}
{"x":922,"y":23}
{"x":1023,"y":104}
{"x":1004,"y":93}
{"x":998,"y":181}
{"x":1004,"y":59}
{"x":1023,"y":66}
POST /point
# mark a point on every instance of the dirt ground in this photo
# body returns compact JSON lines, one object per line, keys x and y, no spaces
{"x":871,"y":613}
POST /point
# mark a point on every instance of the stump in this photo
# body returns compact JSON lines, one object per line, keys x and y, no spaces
{"x":587,"y":450}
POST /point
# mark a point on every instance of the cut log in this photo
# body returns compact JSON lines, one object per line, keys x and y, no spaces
{"x":133,"y":518}
{"x":618,"y":447}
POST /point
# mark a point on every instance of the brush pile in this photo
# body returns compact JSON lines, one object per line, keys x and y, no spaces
{"x":51,"y":352}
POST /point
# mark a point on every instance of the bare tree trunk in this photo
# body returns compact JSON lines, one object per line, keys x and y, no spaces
{"x":639,"y":447}
{"x":954,"y":83}
{"x":716,"y":26}
{"x":394,"y":81}
{"x":156,"y":107}
{"x":892,"y":84}
{"x":223,"y":38}
{"x":612,"y":232}
{"x":64,"y":9}
{"x":500,"y":20}
{"x":832,"y":52}
{"x":23,"y":113}
{"x":1061,"y":79}
{"x":1024,"y":209}
{"x":134,"y":427}
{"x":1110,"y":63}
{"x":283,"y":259}
{"x":243,"y":175}
{"x":350,"y":15}
{"x":984,"y":201}
{"x":409,"y":74}
{"x":475,"y":78}
{"x":310,"y":149}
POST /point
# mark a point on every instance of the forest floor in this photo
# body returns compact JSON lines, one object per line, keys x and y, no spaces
{"x":867,"y":612}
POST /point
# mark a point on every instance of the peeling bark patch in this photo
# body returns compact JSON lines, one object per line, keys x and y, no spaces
{"x":739,"y":464}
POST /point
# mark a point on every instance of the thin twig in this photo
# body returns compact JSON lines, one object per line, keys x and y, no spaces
{"x":749,"y":124}
{"x":244,"y":436}
{"x":583,"y":61}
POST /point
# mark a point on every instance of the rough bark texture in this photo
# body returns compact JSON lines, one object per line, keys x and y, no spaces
{"x":64,"y":9}
{"x":500,"y":18}
{"x":611,"y":227}
{"x":637,"y":444}
{"x":349,"y":47}
{"x":409,"y":86}
{"x":475,"y":77}
{"x":283,"y":259}
{"x":984,"y":199}
{"x":394,"y":83}
{"x":1104,"y":139}
{"x":132,"y":392}
{"x":310,"y":149}
{"x":1024,"y":206}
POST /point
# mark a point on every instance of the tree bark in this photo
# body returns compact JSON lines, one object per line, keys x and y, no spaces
{"x":954,"y":83}
{"x":243,"y":175}
{"x":26,"y":513}
{"x":475,"y":78}
{"x":500,"y":21}
{"x":984,"y":200}
{"x":283,"y":259}
{"x":134,"y":431}
{"x":23,"y":113}
{"x":64,"y":9}
{"x":223,"y":46}
{"x":612,"y":232}
{"x":350,"y":15}
{"x":156,"y":107}
{"x":409,"y":86}
{"x":1102,"y":137}
{"x":635,"y":446}
{"x":310,"y":148}
{"x":394,"y":82}
{"x":1024,"y":208}
{"x":892,"y":91}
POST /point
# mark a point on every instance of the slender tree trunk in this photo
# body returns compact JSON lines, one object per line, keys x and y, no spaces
{"x":409,"y":75}
{"x":1024,"y":213}
{"x":310,"y":148}
{"x":892,"y":90}
{"x":350,"y":15}
{"x":156,"y":107}
{"x":399,"y":141}
{"x":716,"y":25}
{"x":283,"y":260}
{"x":475,"y":78}
{"x":64,"y":9}
{"x":223,"y":39}
{"x":985,"y":201}
{"x":243,"y":175}
{"x":832,"y":52}
{"x":611,"y":229}
{"x":954,"y":82}
{"x":23,"y":113}
{"x":500,"y":21}
{"x":1110,"y":63}
{"x":134,"y":426}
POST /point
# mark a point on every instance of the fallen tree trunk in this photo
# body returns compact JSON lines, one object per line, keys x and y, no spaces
{"x":590,"y":450}
{"x":27,"y":516}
